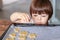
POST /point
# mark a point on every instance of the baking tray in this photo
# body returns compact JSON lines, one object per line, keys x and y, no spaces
{"x":43,"y":32}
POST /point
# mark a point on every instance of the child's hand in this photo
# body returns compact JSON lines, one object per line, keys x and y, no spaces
{"x":18,"y":17}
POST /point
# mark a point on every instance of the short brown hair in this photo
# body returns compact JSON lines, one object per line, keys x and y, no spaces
{"x":41,"y":6}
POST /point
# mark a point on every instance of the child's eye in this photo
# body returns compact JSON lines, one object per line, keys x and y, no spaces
{"x":43,"y":16}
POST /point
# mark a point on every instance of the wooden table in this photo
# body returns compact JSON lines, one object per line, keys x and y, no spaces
{"x":4,"y":25}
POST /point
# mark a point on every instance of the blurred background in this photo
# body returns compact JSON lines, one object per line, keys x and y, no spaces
{"x":7,"y":7}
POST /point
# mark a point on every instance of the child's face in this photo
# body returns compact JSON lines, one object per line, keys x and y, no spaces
{"x":40,"y":19}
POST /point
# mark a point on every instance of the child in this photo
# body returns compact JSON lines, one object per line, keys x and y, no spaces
{"x":41,"y":11}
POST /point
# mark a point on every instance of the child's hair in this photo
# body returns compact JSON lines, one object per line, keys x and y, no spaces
{"x":41,"y":6}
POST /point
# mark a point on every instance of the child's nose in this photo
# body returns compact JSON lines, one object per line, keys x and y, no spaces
{"x":40,"y":17}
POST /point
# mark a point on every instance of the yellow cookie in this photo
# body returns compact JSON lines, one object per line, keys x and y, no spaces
{"x":23,"y":33}
{"x":16,"y":29}
{"x":13,"y":35}
{"x":9,"y":38}
{"x":32,"y":35}
{"x":22,"y":38}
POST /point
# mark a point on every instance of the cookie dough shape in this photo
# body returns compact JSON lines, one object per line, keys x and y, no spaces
{"x":17,"y":29}
{"x":22,"y":38}
{"x":12,"y":35}
{"x":32,"y":35}
{"x":24,"y":33}
{"x":10,"y":39}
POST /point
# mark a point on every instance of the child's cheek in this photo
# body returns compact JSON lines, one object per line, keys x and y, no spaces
{"x":44,"y":20}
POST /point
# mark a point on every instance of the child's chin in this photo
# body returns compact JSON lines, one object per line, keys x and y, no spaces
{"x":40,"y":23}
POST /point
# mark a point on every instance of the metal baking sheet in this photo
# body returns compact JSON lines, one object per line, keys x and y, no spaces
{"x":43,"y":33}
